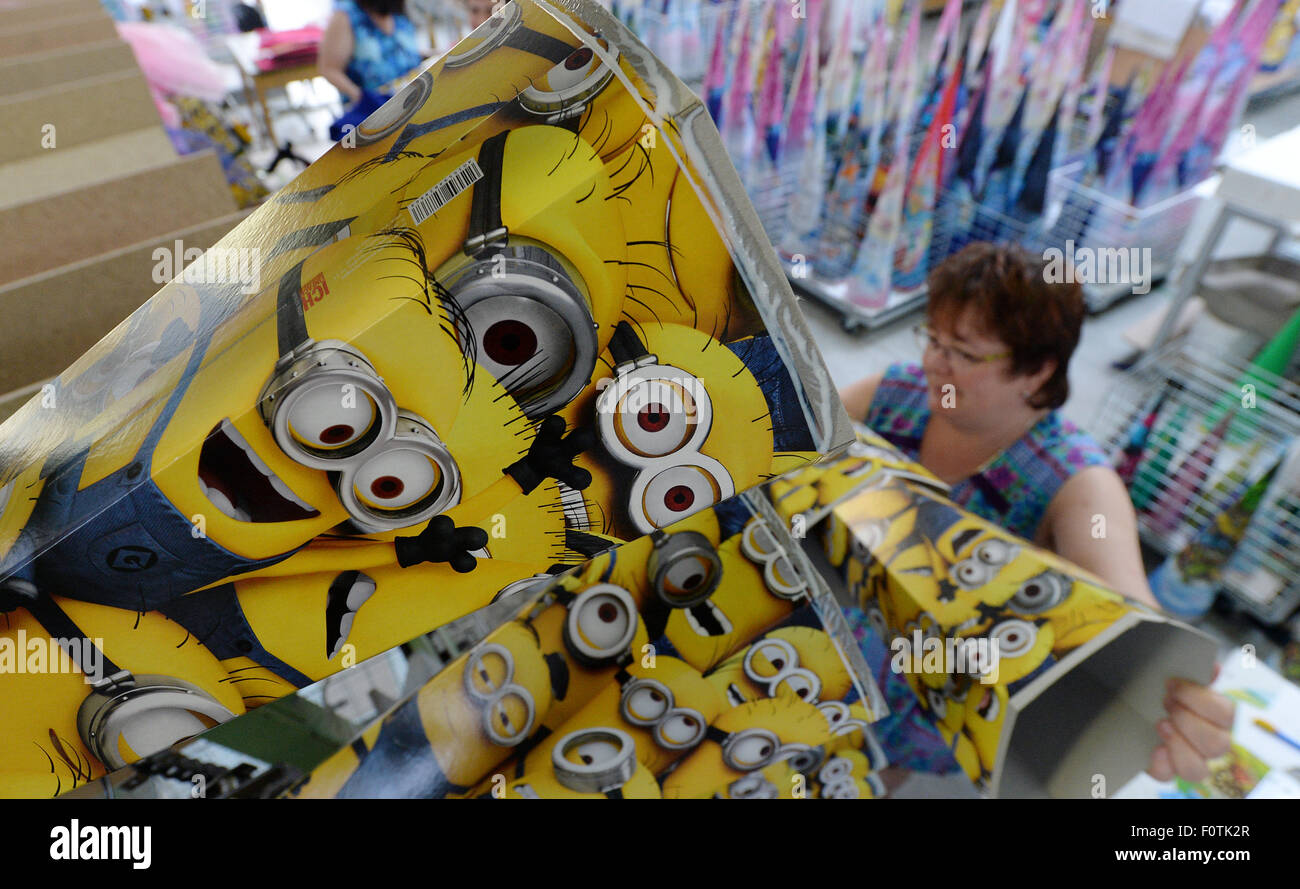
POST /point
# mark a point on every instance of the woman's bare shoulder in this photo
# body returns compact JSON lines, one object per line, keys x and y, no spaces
{"x":857,"y":397}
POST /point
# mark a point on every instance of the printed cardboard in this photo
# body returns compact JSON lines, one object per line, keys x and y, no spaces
{"x":524,"y":306}
{"x":693,"y":663}
{"x":1043,"y":681}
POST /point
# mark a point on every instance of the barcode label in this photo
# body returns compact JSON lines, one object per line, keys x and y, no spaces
{"x":442,"y":194}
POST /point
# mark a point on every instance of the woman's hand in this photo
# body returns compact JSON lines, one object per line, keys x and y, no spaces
{"x":1197,"y":729}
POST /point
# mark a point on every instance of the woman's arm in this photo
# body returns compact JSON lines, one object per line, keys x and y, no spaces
{"x":857,"y":397}
{"x":1091,"y":522}
{"x":335,"y":51}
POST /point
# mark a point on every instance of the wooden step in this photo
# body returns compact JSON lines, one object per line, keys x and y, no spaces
{"x":53,"y":317}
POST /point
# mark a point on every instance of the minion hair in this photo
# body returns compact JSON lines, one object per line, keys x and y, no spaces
{"x":647,"y":166}
{"x":436,"y":294}
{"x":606,"y":128}
{"x":365,"y":167}
{"x":643,"y":265}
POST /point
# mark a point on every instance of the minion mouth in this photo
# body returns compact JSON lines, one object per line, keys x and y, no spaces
{"x":988,"y":706}
{"x":240,"y":485}
{"x":706,"y":620}
{"x":349,"y":591}
{"x":734,"y":696}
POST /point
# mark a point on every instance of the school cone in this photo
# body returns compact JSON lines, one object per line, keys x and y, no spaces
{"x":1185,"y":483}
{"x":1139,"y":431}
{"x":1188,"y":580}
{"x":1150,"y":476}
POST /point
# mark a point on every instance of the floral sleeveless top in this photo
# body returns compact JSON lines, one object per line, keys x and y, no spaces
{"x":379,"y":58}
{"x":1013,"y":490}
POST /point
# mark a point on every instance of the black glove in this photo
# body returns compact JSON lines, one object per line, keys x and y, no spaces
{"x":442,"y":541}
{"x":551,"y":456}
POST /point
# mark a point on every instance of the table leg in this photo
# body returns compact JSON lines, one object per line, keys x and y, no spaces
{"x":1190,"y":279}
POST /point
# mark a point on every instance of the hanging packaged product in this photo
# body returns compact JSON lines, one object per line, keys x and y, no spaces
{"x":525,"y":302}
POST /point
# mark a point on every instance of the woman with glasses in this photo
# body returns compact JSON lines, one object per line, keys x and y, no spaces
{"x":981,"y":412}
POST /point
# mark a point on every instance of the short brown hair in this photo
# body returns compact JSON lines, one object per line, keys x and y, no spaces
{"x":1006,"y":288}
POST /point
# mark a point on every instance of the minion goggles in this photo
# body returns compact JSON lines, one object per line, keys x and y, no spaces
{"x":654,"y":418}
{"x":329,"y":409}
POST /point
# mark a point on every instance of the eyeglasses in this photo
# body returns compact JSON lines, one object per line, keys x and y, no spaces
{"x":926,"y":339}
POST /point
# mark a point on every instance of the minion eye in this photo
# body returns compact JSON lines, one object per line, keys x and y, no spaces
{"x":488,"y":670}
{"x":565,"y":89}
{"x":801,"y":683}
{"x":393,"y":114}
{"x":410,"y":478}
{"x":594,"y":752}
{"x":1014,"y":637}
{"x":994,"y":552}
{"x":646,"y":703}
{"x":803,"y":758}
{"x":835,"y":712}
{"x":522,"y":343}
{"x":1040,"y":593}
{"x":594,"y":760}
{"x":681,"y":729}
{"x":751,"y":749}
{"x":510,"y":717}
{"x":655,"y":418}
{"x":532,"y":327}
{"x":331,"y":417}
{"x":601,"y":624}
{"x":572,"y":71}
{"x":677,"y":492}
{"x":971,"y":574}
{"x":769,"y":658}
{"x":837,"y":769}
{"x":841,"y":790}
{"x":688,"y":575}
{"x":396,"y":479}
{"x":752,"y":787}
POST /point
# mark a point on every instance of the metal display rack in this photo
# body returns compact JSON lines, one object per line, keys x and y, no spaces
{"x":1078,"y":218}
{"x":1263,"y":574}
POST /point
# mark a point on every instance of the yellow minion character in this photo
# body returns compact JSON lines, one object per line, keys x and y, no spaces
{"x":1017,"y":648}
{"x":85,"y":689}
{"x":596,"y":762}
{"x":665,"y":451}
{"x":850,"y":725}
{"x":459,"y":726}
{"x":664,"y":708}
{"x":847,"y":774}
{"x":1076,"y":609}
{"x":986,"y":710}
{"x":588,"y":631}
{"x":744,"y":741}
{"x":801,"y":661}
{"x":742,"y":606}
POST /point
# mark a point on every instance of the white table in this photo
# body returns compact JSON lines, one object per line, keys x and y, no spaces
{"x":1260,"y":185}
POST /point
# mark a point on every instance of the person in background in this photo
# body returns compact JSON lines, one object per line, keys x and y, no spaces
{"x":366,"y":46}
{"x":981,"y":413}
{"x":479,"y":10}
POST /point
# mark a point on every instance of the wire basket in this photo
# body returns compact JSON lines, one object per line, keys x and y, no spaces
{"x":1205,"y":447}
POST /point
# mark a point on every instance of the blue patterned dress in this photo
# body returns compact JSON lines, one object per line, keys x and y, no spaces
{"x":379,"y":58}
